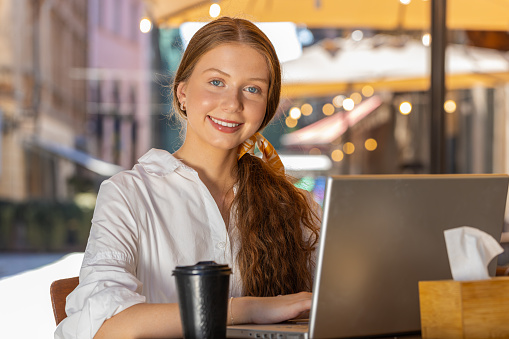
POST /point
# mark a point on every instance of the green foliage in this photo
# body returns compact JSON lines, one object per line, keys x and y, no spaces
{"x":43,"y":226}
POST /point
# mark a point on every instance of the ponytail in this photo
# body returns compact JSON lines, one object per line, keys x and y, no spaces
{"x":278,"y":231}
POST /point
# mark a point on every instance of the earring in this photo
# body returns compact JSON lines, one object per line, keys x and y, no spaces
{"x":182,"y":107}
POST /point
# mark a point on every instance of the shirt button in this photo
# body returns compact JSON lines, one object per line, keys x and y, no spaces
{"x":221,"y":245}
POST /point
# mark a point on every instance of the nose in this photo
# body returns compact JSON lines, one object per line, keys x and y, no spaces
{"x":232,"y":101}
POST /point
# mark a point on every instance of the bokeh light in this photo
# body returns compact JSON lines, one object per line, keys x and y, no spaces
{"x":356,"y":97}
{"x":337,"y":155}
{"x":450,"y":106}
{"x":370,"y":144}
{"x":290,"y":122}
{"x":426,"y":39}
{"x":405,"y":108}
{"x":315,"y":151}
{"x":338,"y":100}
{"x":368,"y":91}
{"x":305,"y":36}
{"x":214,"y":10}
{"x":357,"y":35}
{"x":348,"y":104}
{"x":306,"y":109}
{"x":295,"y":113}
{"x":328,"y":109}
{"x":145,"y":25}
{"x":348,"y":148}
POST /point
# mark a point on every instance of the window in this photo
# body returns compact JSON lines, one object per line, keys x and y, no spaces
{"x":100,"y":7}
{"x":117,"y":17}
{"x":134,"y":22}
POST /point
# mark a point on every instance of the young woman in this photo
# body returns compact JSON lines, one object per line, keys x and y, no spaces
{"x":211,"y":200}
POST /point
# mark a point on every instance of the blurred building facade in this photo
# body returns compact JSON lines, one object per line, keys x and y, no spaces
{"x":40,"y":41}
{"x":74,"y":94}
{"x":118,"y":82}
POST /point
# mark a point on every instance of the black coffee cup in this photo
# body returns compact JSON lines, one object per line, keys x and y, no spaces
{"x":203,"y":299}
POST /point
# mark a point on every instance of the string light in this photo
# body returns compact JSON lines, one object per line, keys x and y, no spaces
{"x":348,"y":104}
{"x":357,"y":35}
{"x":295,"y":113}
{"x":405,"y":108}
{"x":145,"y":25}
{"x":426,"y":39}
{"x":450,"y":106}
{"x":328,"y":109}
{"x":370,"y":144}
{"x":306,"y":109}
{"x":214,"y":10}
{"x":290,"y":122}
{"x":368,"y":91}
{"x":348,"y":148}
{"x":338,"y":100}
{"x":337,"y":155}
{"x":356,"y":97}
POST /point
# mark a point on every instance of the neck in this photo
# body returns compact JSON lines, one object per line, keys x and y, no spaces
{"x":213,"y":166}
{"x":215,"y":169}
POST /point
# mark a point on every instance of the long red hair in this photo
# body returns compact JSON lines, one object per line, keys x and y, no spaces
{"x":275,"y":220}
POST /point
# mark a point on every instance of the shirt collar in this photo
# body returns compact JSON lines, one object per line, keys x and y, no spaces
{"x":160,"y":162}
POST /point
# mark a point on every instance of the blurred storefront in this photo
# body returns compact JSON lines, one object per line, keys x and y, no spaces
{"x":74,"y":95}
{"x":40,"y":41}
{"x":74,"y":109}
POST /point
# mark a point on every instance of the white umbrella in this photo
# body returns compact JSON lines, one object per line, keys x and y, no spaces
{"x":387,"y":62}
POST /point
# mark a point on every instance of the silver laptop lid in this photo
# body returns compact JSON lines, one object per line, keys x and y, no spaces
{"x":382,"y":234}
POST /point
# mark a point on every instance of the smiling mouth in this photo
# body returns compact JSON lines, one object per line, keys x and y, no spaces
{"x":224,"y":123}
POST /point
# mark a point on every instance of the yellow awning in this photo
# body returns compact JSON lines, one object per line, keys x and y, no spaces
{"x":376,"y":14}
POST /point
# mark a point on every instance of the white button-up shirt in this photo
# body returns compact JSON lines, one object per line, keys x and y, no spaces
{"x":147,"y":221}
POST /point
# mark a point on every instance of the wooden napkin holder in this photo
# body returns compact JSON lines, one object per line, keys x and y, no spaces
{"x":465,"y":309}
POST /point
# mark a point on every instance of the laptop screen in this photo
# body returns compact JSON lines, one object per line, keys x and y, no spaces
{"x":381,"y":235}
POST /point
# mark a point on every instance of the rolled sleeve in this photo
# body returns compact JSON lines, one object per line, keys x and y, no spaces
{"x":108,"y":282}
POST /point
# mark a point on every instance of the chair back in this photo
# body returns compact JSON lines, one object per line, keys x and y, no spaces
{"x":502,"y":271}
{"x":59,"y":290}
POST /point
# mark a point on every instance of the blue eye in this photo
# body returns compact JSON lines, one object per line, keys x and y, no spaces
{"x":216,"y":82}
{"x":253,"y":90}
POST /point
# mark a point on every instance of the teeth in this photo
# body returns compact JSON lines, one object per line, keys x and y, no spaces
{"x":222,"y":123}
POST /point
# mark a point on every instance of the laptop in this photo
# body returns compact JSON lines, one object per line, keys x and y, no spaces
{"x":380,"y":236}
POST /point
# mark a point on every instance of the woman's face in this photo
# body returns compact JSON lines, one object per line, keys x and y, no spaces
{"x":226,"y":96}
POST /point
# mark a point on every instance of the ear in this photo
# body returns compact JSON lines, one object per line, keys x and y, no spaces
{"x":181,"y":91}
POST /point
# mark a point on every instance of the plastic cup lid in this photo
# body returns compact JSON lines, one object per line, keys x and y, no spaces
{"x":203,"y":267}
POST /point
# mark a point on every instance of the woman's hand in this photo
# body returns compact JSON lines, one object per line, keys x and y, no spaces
{"x":271,"y":309}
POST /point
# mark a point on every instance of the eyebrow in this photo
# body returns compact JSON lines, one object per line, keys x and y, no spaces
{"x":228,"y":75}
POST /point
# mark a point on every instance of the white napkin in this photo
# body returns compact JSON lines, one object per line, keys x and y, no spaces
{"x":470,"y":251}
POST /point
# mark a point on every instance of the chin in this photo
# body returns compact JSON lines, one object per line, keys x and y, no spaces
{"x":225,"y":146}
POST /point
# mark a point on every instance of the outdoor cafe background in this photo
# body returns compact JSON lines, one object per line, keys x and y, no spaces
{"x":83,"y":94}
{"x":356,"y":95}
